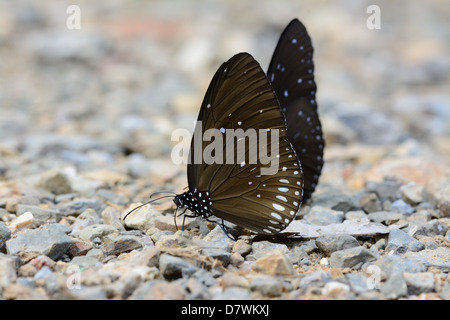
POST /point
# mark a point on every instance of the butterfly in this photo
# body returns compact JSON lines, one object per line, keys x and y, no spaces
{"x":242,"y":96}
{"x":281,"y":104}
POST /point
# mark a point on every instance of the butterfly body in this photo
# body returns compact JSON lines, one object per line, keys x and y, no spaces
{"x":199,"y":202}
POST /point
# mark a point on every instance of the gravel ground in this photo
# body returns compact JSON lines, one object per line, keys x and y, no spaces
{"x":86,"y":118}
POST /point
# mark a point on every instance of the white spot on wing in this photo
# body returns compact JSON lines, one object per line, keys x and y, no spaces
{"x":282,"y":198}
{"x":278,"y":207}
{"x":276,"y":215}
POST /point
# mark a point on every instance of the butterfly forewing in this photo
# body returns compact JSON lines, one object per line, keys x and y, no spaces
{"x":291,"y":72}
{"x":241,"y":97}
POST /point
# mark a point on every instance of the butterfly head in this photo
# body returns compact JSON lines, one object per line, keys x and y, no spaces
{"x":179,"y":200}
{"x":199,"y":202}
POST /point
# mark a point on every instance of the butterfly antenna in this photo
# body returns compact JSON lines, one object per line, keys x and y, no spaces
{"x":148,"y":202}
{"x":160,"y":192}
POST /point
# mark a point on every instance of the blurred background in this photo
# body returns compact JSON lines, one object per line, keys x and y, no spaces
{"x":110,"y":94}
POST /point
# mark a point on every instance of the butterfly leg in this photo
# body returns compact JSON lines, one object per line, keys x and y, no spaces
{"x":176,"y":216}
{"x":184,"y":218}
{"x":224,"y":228}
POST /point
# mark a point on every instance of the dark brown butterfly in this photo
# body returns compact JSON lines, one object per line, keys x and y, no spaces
{"x":283,"y":104}
{"x":240,"y":96}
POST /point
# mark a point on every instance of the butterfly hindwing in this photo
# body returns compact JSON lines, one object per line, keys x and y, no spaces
{"x":291,"y":72}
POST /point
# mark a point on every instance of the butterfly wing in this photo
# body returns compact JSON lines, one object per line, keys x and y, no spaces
{"x":241,"y":97}
{"x":291,"y":72}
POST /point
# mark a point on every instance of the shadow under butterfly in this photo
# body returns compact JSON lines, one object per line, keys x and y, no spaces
{"x":241,"y":96}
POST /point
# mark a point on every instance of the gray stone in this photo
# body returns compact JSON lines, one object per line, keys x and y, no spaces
{"x":382,"y":129}
{"x":432,"y":228}
{"x":385,"y":190}
{"x":445,"y":293}
{"x":351,"y":258}
{"x":322,"y":216}
{"x":96,"y":230}
{"x":335,"y":242}
{"x":8,"y":270}
{"x":85,"y":261}
{"x":402,"y":207}
{"x":336,"y":201}
{"x":38,"y":212}
{"x":357,"y":282}
{"x":419,"y":282}
{"x":141,"y":219}
{"x":111,"y":216}
{"x":174,"y":267}
{"x":413,"y":194}
{"x":232,"y":293}
{"x":49,"y":278}
{"x":218,"y":254}
{"x":5,"y":235}
{"x":216,"y":238}
{"x":358,"y":214}
{"x":261,"y":248}
{"x":78,"y":206}
{"x":56,"y":46}
{"x":336,"y":290}
{"x":380,"y":244}
{"x":309,"y":246}
{"x":121,"y":243}
{"x":316,"y":279}
{"x":394,"y":287}
{"x":391,"y":264}
{"x":111,"y":196}
{"x":385,"y":217}
{"x":398,"y":238}
{"x":298,"y":255}
{"x":96,"y":253}
{"x":197,"y":290}
{"x":183,"y":238}
{"x":242,"y":247}
{"x":204,"y":277}
{"x":438,"y":258}
{"x":87,"y":218}
{"x":49,"y":240}
{"x":56,"y":181}
{"x":428,"y":243}
{"x":267,"y":286}
{"x":97,"y":292}
{"x":369,"y":202}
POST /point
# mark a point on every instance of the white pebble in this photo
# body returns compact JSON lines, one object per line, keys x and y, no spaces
{"x":335,"y":289}
{"x":25,"y":220}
